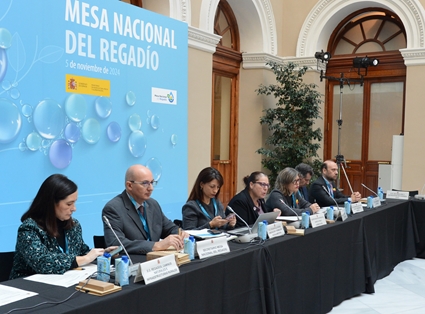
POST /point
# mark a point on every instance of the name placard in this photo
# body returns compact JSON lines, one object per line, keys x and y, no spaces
{"x":317,"y":220}
{"x":356,"y":207}
{"x":376,"y":202}
{"x":399,"y":195}
{"x":212,"y":247}
{"x":343,"y":214}
{"x":158,"y":268}
{"x":275,"y":230}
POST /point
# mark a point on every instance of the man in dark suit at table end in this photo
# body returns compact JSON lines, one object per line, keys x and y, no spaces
{"x":137,"y":219}
{"x":324,"y":198}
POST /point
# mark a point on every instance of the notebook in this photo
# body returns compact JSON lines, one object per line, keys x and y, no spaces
{"x":270,"y":217}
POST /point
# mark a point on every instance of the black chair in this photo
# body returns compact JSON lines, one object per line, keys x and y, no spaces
{"x":411,"y":193}
{"x":6,"y":262}
{"x":178,"y":223}
{"x":99,"y":242}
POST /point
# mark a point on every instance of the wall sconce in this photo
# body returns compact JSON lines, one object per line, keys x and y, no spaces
{"x":322,"y":56}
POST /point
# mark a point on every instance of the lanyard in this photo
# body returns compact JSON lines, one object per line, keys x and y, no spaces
{"x":331,"y":192}
{"x":144,"y":222}
{"x":142,"y":218}
{"x":294,"y":201}
{"x":66,"y":245}
{"x":205,"y":212}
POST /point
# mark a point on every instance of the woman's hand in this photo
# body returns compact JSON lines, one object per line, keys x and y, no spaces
{"x":315,"y":208}
{"x":232,"y":221}
{"x":218,"y":222}
{"x":89,"y":257}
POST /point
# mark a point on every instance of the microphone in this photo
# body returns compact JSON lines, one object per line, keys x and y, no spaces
{"x":369,"y":190}
{"x":106,"y":220}
{"x":327,"y":192}
{"x":231,"y":209}
{"x":298,"y":217}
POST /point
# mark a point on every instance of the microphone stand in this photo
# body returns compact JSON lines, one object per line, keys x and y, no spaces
{"x":231,"y":209}
{"x":106,"y":220}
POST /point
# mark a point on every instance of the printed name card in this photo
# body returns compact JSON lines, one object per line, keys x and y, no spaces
{"x":158,"y":269}
{"x":376,"y":202}
{"x":317,"y":220}
{"x":343,"y":214}
{"x":212,"y":247}
{"x":399,"y":195}
{"x":356,"y":207}
{"x":275,"y":230}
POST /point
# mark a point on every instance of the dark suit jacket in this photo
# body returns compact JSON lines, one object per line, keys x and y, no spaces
{"x":194,"y":218}
{"x":243,"y":205}
{"x":304,"y":192}
{"x":319,"y":196}
{"x":127,"y":224}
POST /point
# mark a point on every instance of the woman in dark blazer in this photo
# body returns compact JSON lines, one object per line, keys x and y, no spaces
{"x":203,"y":209}
{"x":249,"y":203}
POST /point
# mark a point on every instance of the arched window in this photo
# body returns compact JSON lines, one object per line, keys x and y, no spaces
{"x":361,"y":119}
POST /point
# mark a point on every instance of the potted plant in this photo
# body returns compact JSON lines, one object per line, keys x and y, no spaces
{"x":293,"y":137}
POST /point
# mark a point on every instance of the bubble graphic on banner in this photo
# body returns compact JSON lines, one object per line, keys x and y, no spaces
{"x":155,"y":167}
{"x":49,"y":118}
{"x":137,"y":143}
{"x":5,"y":38}
{"x":155,"y":122}
{"x":14,"y":93}
{"x":103,"y":107}
{"x":10,"y":121}
{"x":6,"y":85}
{"x":60,"y":154}
{"x":130,"y":98}
{"x":114,"y":132}
{"x":173,"y":139}
{"x":33,"y":141}
{"x":135,"y":122}
{"x":22,"y":147}
{"x":72,"y":133}
{"x":76,"y":107}
{"x":3,"y":64}
{"x":91,"y":131}
{"x":26,"y":110}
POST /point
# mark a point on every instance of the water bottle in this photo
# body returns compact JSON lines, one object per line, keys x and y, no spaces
{"x":305,"y":220}
{"x":104,"y":267}
{"x":347,"y":206}
{"x":370,"y":202}
{"x":262,"y":229}
{"x":380,"y":193}
{"x":189,"y":247}
{"x":330,"y":213}
{"x":121,"y":271}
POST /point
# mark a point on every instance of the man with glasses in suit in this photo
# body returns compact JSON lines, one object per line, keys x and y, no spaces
{"x":137,"y":219}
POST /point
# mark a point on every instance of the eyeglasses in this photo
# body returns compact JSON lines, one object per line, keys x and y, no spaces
{"x":296,"y":182}
{"x":263,"y":185}
{"x":146,"y":183}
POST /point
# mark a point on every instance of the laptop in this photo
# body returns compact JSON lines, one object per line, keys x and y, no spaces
{"x":270,"y":217}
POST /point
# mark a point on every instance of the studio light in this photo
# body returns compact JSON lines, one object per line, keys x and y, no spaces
{"x":322,"y":56}
{"x":364,"y":62}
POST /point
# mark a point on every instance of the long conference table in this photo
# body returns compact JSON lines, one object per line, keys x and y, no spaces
{"x":289,"y":274}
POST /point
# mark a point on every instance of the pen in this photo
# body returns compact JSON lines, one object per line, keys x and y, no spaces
{"x":79,"y":268}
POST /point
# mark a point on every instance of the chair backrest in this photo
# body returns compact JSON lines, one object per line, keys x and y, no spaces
{"x":99,"y":242}
{"x":6,"y":263}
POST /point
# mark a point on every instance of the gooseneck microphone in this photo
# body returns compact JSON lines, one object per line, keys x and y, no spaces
{"x":369,"y":190}
{"x":327,"y":192}
{"x":298,"y":217}
{"x":231,"y":209}
{"x":106,"y":220}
